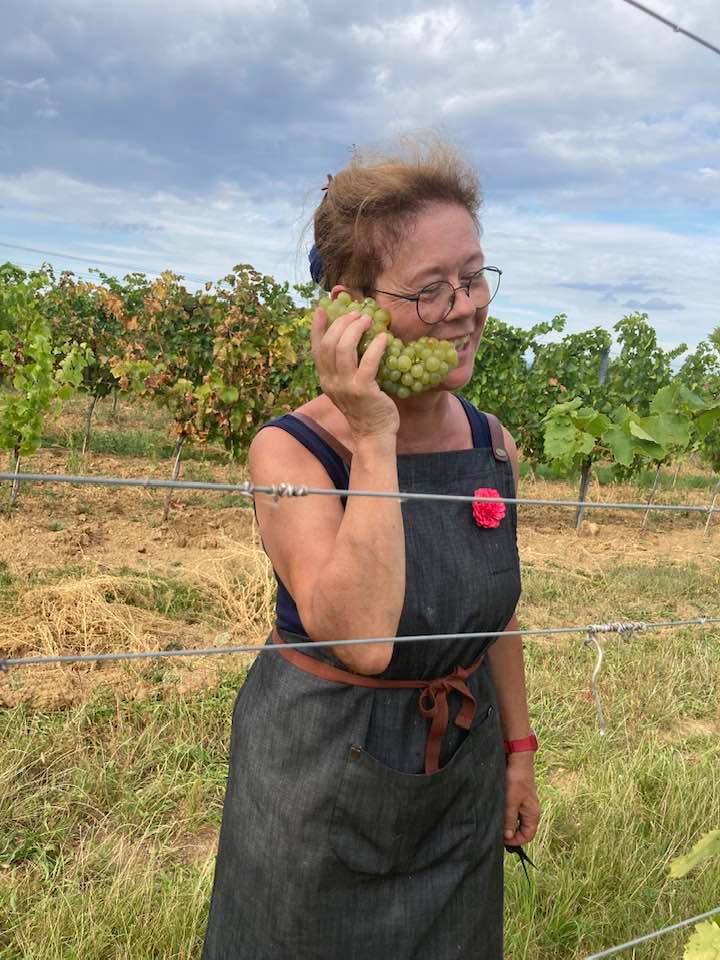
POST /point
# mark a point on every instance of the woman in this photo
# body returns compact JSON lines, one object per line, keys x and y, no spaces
{"x":357,"y":822}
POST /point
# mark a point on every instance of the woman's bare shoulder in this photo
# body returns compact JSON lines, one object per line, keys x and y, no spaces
{"x":275,"y":450}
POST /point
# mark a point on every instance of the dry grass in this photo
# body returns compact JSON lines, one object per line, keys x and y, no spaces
{"x":229,"y":600}
{"x":241,"y":581}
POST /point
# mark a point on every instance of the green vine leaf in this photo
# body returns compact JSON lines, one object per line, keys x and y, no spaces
{"x":640,"y":432}
{"x":621,"y":445}
{"x":669,"y":429}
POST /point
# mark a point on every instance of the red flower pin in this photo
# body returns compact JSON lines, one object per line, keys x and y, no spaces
{"x":488,"y":514}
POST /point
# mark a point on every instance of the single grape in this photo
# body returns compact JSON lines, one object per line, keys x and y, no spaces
{"x":404,"y":362}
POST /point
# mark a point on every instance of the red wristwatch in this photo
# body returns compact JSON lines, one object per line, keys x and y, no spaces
{"x":521,"y":746}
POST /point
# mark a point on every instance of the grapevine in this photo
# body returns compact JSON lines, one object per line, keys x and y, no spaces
{"x":29,"y":377}
{"x":576,"y":434}
{"x":90,"y":313}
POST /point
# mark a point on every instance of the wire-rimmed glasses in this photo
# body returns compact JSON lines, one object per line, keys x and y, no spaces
{"x":435,"y":301}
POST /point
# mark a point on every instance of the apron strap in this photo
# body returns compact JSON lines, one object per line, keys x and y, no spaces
{"x":432,"y":700}
{"x":340,"y":449}
{"x":497,"y":438}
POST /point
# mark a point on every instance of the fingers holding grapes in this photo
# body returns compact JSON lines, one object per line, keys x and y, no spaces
{"x":398,"y":369}
{"x":351,"y":384}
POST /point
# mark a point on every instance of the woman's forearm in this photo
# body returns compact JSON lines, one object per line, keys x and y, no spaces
{"x":508,"y":672}
{"x":360,"y":591}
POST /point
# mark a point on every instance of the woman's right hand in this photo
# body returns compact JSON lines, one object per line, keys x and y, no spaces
{"x":351,"y":385}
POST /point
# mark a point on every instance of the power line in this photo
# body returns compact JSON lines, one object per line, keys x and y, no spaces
{"x":598,"y":628}
{"x":96,"y":262}
{"x":675,"y":26}
{"x":37,"y":267}
{"x":652,"y":936}
{"x":280,"y":490}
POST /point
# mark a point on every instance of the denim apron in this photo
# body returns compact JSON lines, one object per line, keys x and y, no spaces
{"x":335,"y":843}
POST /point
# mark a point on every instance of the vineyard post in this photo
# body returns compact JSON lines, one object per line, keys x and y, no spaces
{"x":88,"y":421}
{"x":115,"y":403}
{"x":587,"y":463}
{"x":175,"y":471}
{"x":716,"y":494}
{"x":652,"y":496}
{"x":14,"y":488}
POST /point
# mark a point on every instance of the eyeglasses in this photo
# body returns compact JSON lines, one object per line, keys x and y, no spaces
{"x":435,"y":301}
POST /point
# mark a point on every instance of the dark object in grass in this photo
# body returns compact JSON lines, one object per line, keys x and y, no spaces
{"x":524,"y":859}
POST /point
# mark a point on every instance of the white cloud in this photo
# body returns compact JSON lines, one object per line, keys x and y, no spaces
{"x":201,"y":235}
{"x":540,"y":253}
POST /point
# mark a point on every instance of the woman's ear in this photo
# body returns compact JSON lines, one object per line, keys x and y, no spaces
{"x":339,"y":288}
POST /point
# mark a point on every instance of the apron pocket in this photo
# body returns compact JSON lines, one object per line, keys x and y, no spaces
{"x":386,"y":821}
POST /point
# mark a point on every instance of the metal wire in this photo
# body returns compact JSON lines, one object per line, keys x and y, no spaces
{"x":617,"y":627}
{"x":278,"y":490}
{"x":675,"y":26}
{"x":594,"y":639}
{"x":653,"y":936}
{"x":95,"y":262}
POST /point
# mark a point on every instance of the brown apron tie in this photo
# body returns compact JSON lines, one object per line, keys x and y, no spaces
{"x":432,"y":701}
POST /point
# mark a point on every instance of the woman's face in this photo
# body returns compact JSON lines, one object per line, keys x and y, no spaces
{"x":441,"y":244}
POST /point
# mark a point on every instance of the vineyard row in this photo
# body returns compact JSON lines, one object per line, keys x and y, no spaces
{"x":224,"y":359}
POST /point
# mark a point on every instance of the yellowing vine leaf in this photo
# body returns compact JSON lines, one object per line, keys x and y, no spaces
{"x":707,"y":846}
{"x":704,"y":944}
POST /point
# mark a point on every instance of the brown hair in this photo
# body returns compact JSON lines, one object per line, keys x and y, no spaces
{"x":369,"y":205}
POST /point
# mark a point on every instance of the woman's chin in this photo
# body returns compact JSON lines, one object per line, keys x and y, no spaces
{"x":461,"y":375}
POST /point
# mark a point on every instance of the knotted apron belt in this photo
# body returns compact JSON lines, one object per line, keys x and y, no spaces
{"x":432,"y":701}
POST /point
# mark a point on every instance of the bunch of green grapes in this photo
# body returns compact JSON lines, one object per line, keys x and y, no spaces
{"x":405,"y":368}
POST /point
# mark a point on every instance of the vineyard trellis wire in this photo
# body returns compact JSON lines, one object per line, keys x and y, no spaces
{"x":589,"y":629}
{"x":593,"y":633}
{"x":653,"y":936}
{"x":283,"y":489}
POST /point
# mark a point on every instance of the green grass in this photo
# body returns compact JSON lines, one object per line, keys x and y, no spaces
{"x":99,"y":806}
{"x":644,"y":480}
{"x":109,"y":809}
{"x":153,"y":445}
{"x":170,"y":596}
{"x":6,"y":577}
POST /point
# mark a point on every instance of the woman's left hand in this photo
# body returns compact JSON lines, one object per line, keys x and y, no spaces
{"x":522,"y":808}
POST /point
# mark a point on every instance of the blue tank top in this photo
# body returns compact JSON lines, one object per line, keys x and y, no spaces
{"x":286,"y":612}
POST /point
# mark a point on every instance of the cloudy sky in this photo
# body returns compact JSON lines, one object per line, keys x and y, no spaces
{"x":197,"y":134}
